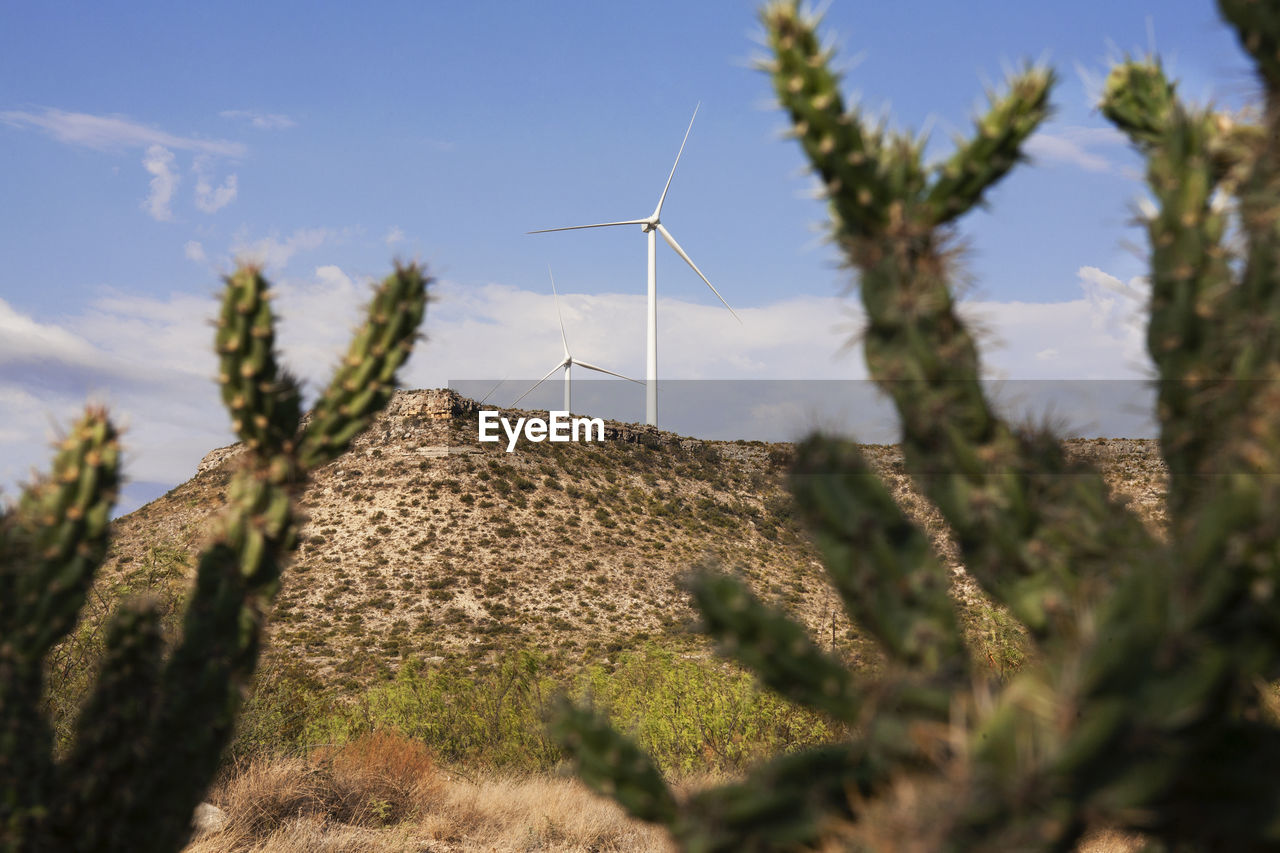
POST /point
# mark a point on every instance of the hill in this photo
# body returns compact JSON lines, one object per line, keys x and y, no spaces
{"x":423,"y":542}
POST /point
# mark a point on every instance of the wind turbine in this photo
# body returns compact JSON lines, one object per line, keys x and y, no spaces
{"x":652,"y":226}
{"x":568,"y":361}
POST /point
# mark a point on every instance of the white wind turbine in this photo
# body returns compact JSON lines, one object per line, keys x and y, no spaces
{"x":568,"y":361}
{"x":652,"y":226}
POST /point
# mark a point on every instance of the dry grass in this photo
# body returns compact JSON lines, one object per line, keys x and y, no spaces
{"x":383,"y":793}
{"x":536,"y":813}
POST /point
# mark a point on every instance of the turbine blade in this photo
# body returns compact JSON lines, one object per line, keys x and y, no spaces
{"x":590,"y":366}
{"x":671,"y":241}
{"x":564,"y":340}
{"x":494,"y":388}
{"x":536,"y":384}
{"x":657,"y":211}
{"x":596,"y":225}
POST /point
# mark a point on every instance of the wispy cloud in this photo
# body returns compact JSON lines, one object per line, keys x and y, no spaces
{"x":395,"y":235}
{"x":208,"y":198}
{"x":276,"y":252}
{"x":194,"y":251}
{"x":260,"y":120}
{"x":1083,"y":147}
{"x":116,"y":133}
{"x":164,"y":181}
{"x":23,"y":339}
{"x":113,"y":132}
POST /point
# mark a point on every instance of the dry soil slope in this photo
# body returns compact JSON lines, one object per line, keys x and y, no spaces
{"x":423,"y":541}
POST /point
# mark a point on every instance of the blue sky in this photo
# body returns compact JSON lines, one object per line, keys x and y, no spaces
{"x":146,"y":145}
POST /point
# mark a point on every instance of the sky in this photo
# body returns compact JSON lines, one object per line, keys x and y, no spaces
{"x":147,"y":146}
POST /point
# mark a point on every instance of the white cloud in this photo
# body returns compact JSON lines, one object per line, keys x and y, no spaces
{"x":276,"y":253}
{"x":159,"y":162}
{"x":260,"y":120}
{"x":209,"y":199}
{"x":150,"y":358}
{"x":1099,"y":336}
{"x":1077,"y":146}
{"x":194,"y":251}
{"x":108,"y":132}
{"x":134,"y":354}
{"x":395,"y":235}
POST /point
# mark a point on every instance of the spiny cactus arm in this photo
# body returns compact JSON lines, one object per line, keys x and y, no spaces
{"x":238,"y":574}
{"x":778,"y":650}
{"x":1191,"y":280}
{"x":62,"y":523}
{"x":1254,"y":148}
{"x":1229,"y":560}
{"x":882,"y":564}
{"x":1212,"y":339}
{"x":995,"y":147}
{"x":51,"y":543}
{"x":610,"y":763}
{"x":1255,"y":151}
{"x":366,"y":377}
{"x":983,"y":477}
{"x":96,"y":809}
{"x":1258,"y":24}
{"x":844,"y":150}
{"x":785,"y":803}
{"x":204,"y":679}
{"x":1178,"y":659}
{"x":796,"y":800}
{"x":264,"y":402}
{"x":980,"y":473}
{"x":1140,"y":101}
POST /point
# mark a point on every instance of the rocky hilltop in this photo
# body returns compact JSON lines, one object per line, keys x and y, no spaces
{"x":423,"y":541}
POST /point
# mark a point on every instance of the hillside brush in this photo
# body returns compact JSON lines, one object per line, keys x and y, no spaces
{"x":148,"y":738}
{"x":1147,"y":702}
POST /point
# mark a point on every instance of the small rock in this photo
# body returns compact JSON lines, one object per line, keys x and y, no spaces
{"x":207,"y":820}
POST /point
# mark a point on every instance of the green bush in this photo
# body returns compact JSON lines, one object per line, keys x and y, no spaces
{"x":695,"y":714}
{"x":691,"y":714}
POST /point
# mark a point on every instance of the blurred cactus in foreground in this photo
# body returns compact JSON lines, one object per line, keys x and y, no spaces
{"x":149,"y":736}
{"x":1147,"y":702}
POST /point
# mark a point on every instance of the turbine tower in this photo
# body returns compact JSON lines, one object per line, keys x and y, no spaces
{"x":568,"y":361}
{"x":652,"y":226}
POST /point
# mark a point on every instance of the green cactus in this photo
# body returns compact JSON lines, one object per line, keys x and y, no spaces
{"x":1144,"y":703}
{"x":149,"y":736}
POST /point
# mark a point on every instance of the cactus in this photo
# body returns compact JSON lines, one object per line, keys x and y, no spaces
{"x":1145,"y":703}
{"x":149,"y":736}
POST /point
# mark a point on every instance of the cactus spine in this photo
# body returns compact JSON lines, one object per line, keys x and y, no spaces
{"x":1144,"y":702}
{"x":150,"y":734}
